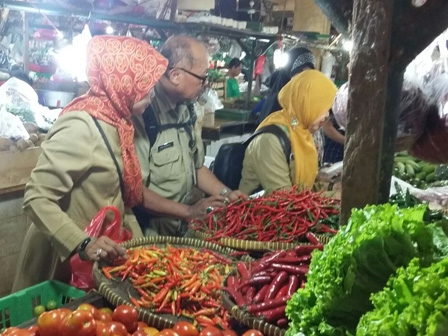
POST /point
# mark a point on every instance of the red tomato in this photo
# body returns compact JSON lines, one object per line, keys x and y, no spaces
{"x":126,"y":315}
{"x":105,"y":317}
{"x":91,"y":309}
{"x":102,"y":329}
{"x":117,"y":328}
{"x":252,"y":332}
{"x":141,"y":325}
{"x":79,"y":323}
{"x":229,"y":332}
{"x":139,"y":333}
{"x":34,"y":330}
{"x":185,"y":329}
{"x":167,"y":332}
{"x":106,"y":310}
{"x":17,"y":332}
{"x":13,"y":331}
{"x":211,"y":331}
{"x":48,"y":323}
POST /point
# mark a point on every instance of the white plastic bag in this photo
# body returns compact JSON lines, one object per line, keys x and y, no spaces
{"x":19,"y":98}
{"x":11,"y":126}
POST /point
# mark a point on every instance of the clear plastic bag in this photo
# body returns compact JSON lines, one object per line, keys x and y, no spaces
{"x":210,"y":100}
{"x":413,"y":112}
{"x":100,"y":225}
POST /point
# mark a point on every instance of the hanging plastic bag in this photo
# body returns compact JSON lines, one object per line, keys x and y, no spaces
{"x":100,"y":225}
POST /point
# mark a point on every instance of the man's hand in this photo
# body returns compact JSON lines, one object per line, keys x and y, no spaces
{"x":235,"y":194}
{"x":104,"y":249}
{"x":199,"y":210}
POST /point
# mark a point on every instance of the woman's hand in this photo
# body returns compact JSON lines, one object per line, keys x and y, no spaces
{"x":104,"y":249}
{"x":199,"y":210}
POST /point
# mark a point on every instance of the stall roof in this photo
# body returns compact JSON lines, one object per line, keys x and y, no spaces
{"x":85,"y":13}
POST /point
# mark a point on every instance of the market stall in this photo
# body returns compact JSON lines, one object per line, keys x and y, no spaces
{"x":286,"y":262}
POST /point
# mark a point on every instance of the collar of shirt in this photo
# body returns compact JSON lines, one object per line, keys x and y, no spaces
{"x":165,"y":109}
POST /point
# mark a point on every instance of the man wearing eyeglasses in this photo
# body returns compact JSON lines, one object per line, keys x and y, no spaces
{"x":175,"y":165}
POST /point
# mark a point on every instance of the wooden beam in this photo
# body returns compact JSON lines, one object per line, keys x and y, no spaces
{"x":366,"y":106}
{"x":173,"y":10}
{"x":417,"y":28}
{"x":26,"y":43}
{"x":339,"y":13}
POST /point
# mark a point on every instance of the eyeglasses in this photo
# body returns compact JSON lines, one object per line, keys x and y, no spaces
{"x":203,"y":79}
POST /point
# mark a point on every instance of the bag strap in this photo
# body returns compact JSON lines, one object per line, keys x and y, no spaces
{"x":282,"y":137}
{"x":153,"y":127}
{"x":109,"y":148}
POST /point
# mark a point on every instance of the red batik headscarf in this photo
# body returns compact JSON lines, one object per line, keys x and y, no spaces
{"x":120,"y":71}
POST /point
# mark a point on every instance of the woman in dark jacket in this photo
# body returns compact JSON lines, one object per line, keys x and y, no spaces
{"x":299,"y":59}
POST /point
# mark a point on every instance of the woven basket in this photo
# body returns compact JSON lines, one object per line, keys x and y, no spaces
{"x":247,"y":319}
{"x":117,"y":292}
{"x":257,"y":246}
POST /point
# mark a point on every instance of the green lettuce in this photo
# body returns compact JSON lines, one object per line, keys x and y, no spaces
{"x":357,"y":262}
{"x":415,"y":302}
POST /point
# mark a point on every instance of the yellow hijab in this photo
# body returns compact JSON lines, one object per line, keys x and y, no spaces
{"x":306,"y":98}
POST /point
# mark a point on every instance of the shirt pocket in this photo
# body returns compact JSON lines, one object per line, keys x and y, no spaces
{"x":166,"y":165}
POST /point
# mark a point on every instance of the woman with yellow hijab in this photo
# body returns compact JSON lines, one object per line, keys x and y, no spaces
{"x":306,"y":101}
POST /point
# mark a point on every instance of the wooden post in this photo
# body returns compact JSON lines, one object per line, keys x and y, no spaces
{"x":173,"y":10}
{"x":250,"y":75}
{"x":26,"y":44}
{"x":373,"y":86}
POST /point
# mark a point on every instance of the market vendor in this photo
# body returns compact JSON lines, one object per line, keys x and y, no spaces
{"x":306,"y":101}
{"x":176,"y":168}
{"x":232,"y":87}
{"x":89,"y":162}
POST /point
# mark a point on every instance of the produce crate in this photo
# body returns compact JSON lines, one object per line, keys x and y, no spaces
{"x":230,"y":114}
{"x":18,"y":307}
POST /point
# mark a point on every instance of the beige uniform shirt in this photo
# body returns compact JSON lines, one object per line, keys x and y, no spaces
{"x":75,"y":177}
{"x":265,"y":165}
{"x":171,"y":161}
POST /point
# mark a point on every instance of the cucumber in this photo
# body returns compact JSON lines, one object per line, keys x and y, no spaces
{"x":430,"y":178}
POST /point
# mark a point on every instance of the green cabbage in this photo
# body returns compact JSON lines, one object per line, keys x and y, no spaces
{"x":357,"y":262}
{"x":415,"y":302}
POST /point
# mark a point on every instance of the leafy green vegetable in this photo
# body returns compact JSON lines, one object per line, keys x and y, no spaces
{"x":357,"y":262}
{"x":415,"y":302}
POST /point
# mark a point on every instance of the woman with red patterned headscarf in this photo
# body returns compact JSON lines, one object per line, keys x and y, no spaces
{"x":89,"y":162}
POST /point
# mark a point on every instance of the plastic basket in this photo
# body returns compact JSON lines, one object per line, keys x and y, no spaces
{"x":18,"y":307}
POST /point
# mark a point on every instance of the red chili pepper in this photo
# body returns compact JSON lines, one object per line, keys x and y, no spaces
{"x":250,"y":294}
{"x":259,"y":307}
{"x":293,"y":285}
{"x":307,"y":249}
{"x":283,"y":322}
{"x":276,"y":284}
{"x":292,"y":269}
{"x":260,"y":296}
{"x":261,"y":280}
{"x":241,"y":267}
{"x":236,"y":295}
{"x":282,"y":292}
{"x":313,"y":239}
{"x":135,"y":302}
{"x":274,"y":314}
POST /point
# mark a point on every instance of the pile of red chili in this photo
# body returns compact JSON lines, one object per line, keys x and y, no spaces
{"x":270,"y":282}
{"x":177,"y":281}
{"x":282,"y":216}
